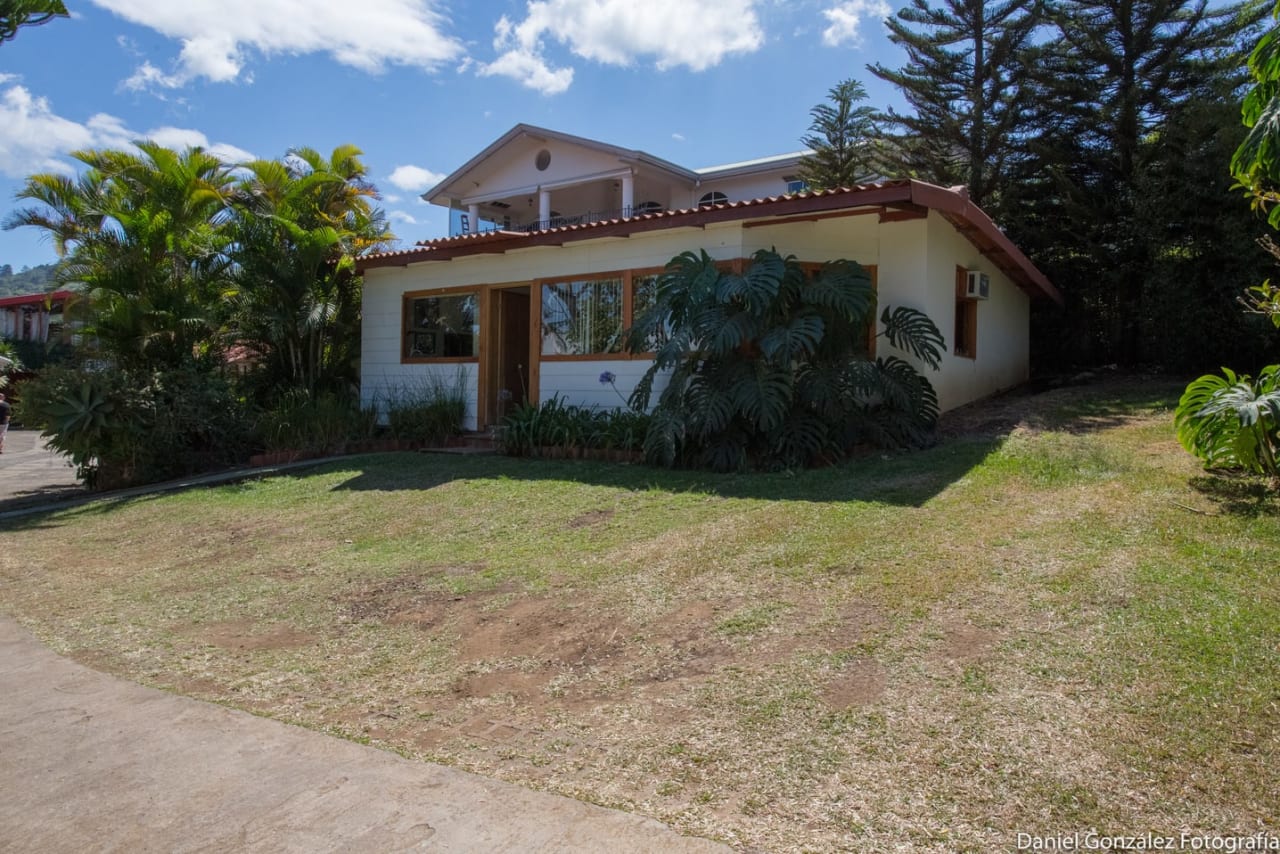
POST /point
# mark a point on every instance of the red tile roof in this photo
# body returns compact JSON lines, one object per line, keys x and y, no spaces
{"x":35,"y":300}
{"x":953,"y":204}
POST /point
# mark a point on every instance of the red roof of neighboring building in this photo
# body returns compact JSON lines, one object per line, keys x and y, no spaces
{"x":35,"y":300}
{"x":905,"y":198}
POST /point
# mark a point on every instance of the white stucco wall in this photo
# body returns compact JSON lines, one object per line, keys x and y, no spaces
{"x":1004,"y":322}
{"x":915,"y":260}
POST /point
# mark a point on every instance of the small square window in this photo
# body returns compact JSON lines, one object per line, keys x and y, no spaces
{"x":795,"y":185}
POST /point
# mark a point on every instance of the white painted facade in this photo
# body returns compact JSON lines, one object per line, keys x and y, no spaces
{"x":912,"y":240}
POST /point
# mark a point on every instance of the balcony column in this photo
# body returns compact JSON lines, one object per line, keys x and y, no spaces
{"x":628,"y":194}
{"x":473,"y":217}
{"x":544,"y":207}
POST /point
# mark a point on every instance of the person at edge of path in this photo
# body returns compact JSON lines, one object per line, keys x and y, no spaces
{"x":5,"y":411}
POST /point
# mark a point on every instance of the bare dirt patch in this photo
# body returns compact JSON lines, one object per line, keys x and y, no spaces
{"x":244,"y":635}
{"x":520,"y":685}
{"x":419,"y":597}
{"x":591,"y":517}
{"x":966,"y":644}
{"x":858,"y":683}
{"x":547,"y":629}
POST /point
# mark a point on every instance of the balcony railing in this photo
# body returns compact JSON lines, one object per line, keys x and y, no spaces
{"x":561,"y":221}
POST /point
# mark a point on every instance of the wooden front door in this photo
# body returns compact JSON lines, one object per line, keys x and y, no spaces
{"x":508,"y":370}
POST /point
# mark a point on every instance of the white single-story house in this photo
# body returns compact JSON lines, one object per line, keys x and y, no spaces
{"x":556,"y":242}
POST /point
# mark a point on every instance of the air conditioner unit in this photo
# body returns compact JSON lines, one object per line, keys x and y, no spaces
{"x":978,"y":285}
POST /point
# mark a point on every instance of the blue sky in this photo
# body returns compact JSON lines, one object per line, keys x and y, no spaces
{"x":422,"y":85}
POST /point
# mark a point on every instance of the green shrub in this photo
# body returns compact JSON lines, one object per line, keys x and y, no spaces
{"x":532,"y":429}
{"x":319,"y":423}
{"x":428,"y":410}
{"x":1233,"y":421}
{"x":124,"y":427}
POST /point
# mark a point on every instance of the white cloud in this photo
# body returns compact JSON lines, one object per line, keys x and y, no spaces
{"x":218,"y":36}
{"x":401,"y":216}
{"x":35,"y":139}
{"x":696,"y":34}
{"x":414,"y":179}
{"x":678,"y":137}
{"x":147,"y":76}
{"x":8,"y":78}
{"x":846,"y":20}
{"x":32,"y":136}
{"x":180,"y":138}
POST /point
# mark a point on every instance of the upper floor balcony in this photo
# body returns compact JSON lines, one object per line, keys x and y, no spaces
{"x":596,"y":199}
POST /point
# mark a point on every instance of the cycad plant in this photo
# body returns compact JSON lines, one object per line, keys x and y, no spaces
{"x":1233,"y":421}
{"x":769,"y":368}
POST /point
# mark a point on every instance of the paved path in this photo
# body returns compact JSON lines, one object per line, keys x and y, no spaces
{"x":32,"y":474}
{"x":94,"y":763}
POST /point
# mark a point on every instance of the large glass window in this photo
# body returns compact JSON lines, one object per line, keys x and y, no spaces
{"x":644,"y":296}
{"x":582,"y":318}
{"x":443,"y":327}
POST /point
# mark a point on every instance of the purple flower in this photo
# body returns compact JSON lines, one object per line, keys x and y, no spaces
{"x":607,"y":378}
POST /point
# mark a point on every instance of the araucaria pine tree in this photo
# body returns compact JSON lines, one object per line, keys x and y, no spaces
{"x":1118,"y":78}
{"x":842,"y":140}
{"x":967,"y":61}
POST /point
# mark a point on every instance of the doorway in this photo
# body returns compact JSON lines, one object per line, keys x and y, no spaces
{"x":508,"y":371}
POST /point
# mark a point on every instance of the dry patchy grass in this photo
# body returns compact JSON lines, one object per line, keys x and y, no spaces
{"x":1029,"y":627}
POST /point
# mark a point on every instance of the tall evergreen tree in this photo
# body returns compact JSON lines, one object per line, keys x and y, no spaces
{"x":964,"y":78}
{"x":1118,"y":74}
{"x":842,"y":138}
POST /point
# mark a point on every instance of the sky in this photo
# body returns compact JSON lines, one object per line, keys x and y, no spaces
{"x":421,"y":86}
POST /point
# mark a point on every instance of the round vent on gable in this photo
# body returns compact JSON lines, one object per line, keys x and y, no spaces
{"x":542,"y":160}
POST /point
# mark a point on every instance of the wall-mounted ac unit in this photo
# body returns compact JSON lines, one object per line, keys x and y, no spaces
{"x":978,"y":285}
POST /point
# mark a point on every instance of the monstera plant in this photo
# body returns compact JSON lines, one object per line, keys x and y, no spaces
{"x":1233,"y":421}
{"x":772,"y":368}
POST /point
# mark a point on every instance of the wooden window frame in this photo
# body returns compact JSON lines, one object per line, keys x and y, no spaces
{"x":622,"y":275}
{"x":966,"y":314}
{"x":406,"y":303}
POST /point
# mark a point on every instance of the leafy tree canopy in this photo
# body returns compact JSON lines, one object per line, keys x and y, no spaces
{"x":27,"y":13}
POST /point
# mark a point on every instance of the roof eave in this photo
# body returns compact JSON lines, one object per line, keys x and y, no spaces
{"x":954,"y":204}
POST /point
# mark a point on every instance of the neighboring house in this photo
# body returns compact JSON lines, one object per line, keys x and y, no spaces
{"x":33,"y":317}
{"x":558,"y":240}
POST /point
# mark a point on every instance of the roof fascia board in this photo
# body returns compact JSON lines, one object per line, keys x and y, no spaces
{"x":944,"y":200}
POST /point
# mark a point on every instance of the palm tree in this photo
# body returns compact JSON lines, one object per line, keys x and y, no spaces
{"x":145,"y":233}
{"x":299,"y":224}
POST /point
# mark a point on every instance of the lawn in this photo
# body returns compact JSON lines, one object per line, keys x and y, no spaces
{"x":1051,"y":621}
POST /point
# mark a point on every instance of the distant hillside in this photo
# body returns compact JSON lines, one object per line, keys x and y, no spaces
{"x":28,"y":280}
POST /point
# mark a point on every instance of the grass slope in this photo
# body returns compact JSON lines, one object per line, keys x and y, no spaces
{"x":1045,"y":627}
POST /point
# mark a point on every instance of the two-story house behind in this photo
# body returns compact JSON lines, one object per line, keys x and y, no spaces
{"x":556,"y":242}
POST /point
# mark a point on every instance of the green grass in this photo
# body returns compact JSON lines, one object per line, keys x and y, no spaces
{"x":1060,"y":626}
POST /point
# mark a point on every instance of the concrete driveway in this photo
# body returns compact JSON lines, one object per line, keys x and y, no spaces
{"x":95,"y":763}
{"x":32,"y":474}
